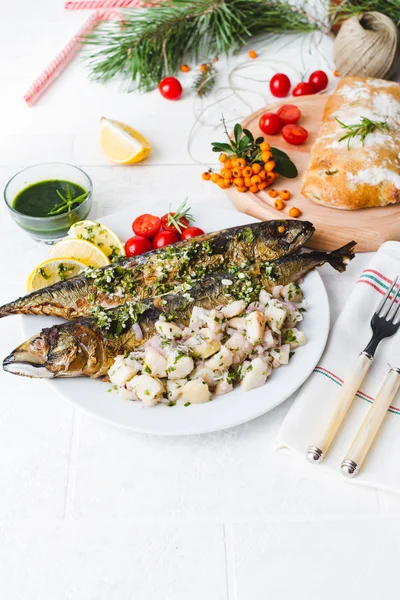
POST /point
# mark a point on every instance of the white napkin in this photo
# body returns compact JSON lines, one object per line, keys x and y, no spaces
{"x":317,"y":397}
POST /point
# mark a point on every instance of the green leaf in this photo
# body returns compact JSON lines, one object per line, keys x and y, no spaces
{"x":237,"y":132}
{"x":277,"y":152}
{"x":259,"y":140}
{"x":285,"y":167}
{"x":220,"y":147}
{"x":248,"y":134}
{"x":243,"y":144}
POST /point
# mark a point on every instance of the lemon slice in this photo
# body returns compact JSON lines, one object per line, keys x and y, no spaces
{"x":100,"y":235}
{"x":121,"y":143}
{"x":86,"y":252}
{"x":51,"y":271}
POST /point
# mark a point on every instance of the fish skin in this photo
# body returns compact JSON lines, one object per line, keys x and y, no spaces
{"x":81,"y":348}
{"x":75,"y":297}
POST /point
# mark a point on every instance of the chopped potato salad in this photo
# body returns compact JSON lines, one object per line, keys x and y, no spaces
{"x":235,"y":343}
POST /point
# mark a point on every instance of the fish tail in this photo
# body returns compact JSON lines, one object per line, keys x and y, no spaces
{"x":339,"y":258}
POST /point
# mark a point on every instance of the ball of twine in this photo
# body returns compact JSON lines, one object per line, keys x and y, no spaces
{"x":366,"y":46}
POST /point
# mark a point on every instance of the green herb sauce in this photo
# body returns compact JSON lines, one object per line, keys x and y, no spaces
{"x":38,"y":199}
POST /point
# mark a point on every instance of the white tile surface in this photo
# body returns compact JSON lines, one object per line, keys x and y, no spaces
{"x":317,"y":559}
{"x":112,"y":561}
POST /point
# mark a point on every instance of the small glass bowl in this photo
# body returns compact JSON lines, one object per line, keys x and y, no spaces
{"x":53,"y":228}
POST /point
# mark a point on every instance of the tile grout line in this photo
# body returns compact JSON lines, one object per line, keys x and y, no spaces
{"x":72,"y":464}
{"x":231,"y":590}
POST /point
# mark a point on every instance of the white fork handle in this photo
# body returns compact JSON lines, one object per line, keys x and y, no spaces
{"x":358,"y":450}
{"x":348,"y":390}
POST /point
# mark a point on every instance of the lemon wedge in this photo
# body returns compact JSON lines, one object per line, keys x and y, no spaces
{"x":51,"y":271}
{"x":82,"y":250}
{"x":100,"y":235}
{"x":121,"y":143}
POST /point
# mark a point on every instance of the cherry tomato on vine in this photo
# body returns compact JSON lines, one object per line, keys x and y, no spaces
{"x":167,"y":226}
{"x":294,"y":134}
{"x":319,"y":80}
{"x":137,"y":244}
{"x":270,"y":123}
{"x":304,"y":88}
{"x":279,"y":85}
{"x":170,"y":88}
{"x":164,"y":238}
{"x":289,"y":113}
{"x":191,"y":232}
{"x":146,"y":225}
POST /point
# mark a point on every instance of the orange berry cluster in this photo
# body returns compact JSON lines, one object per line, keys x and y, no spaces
{"x":279,"y":203}
{"x":246,"y":177}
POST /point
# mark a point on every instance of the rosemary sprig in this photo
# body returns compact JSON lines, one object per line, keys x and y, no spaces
{"x":154,"y":42}
{"x":362,"y":129}
{"x":67,"y":202}
{"x":174,"y":218}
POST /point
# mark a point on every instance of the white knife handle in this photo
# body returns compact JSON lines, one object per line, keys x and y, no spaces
{"x":366,"y":434}
{"x":349,"y":388}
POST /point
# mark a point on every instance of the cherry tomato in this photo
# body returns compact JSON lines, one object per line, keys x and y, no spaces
{"x":137,"y":244}
{"x":270,"y":123}
{"x":304,"y":88}
{"x":289,"y":113}
{"x":183,"y":221}
{"x":191,"y":232}
{"x":170,"y":88}
{"x":319,"y":80}
{"x":280,"y":85}
{"x":294,"y":134}
{"x":146,"y":225}
{"x":164,"y":238}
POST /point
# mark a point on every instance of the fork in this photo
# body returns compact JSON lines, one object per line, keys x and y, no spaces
{"x":384,"y":323}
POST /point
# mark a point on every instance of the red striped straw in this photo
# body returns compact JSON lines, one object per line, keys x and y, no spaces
{"x":63,"y":58}
{"x":96,"y":4}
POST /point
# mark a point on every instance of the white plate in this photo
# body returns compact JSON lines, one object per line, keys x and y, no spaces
{"x":224,"y":411}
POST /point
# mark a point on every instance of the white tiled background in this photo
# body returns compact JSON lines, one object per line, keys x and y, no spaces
{"x":88,"y":512}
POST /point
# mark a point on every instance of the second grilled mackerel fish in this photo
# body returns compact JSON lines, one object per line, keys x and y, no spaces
{"x":88,"y":346}
{"x":160,"y":271}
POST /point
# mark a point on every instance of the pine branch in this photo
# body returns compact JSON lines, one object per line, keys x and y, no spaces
{"x":350,"y":8}
{"x":206,"y":79}
{"x":152,"y":43}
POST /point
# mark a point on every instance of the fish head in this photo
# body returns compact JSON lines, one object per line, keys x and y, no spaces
{"x":282,"y":237}
{"x":68,"y":351}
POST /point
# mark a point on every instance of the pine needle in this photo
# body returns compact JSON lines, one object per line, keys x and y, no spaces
{"x":151,"y":43}
{"x":390,"y":8}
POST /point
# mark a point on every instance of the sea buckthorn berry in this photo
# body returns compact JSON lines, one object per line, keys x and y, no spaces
{"x":247,"y":181}
{"x":255,"y":180}
{"x":185,"y":68}
{"x":253,"y":188}
{"x":279,"y":204}
{"x":215,"y":177}
{"x":256,"y":168}
{"x":264,"y":146}
{"x":266,"y":155}
{"x":234,"y":161}
{"x":206,"y":176}
{"x":263,"y":174}
{"x":285,"y":194}
{"x":281,"y":229}
{"x":222,"y":157}
{"x":203,"y":68}
{"x":294,"y":212}
{"x":226,"y":173}
{"x":228,"y":164}
{"x":236,"y":172}
{"x":241,"y":189}
{"x":247,"y":172}
{"x":252,"y":54}
{"x":336,"y":73}
{"x":270,"y":177}
{"x":241,"y":163}
{"x":272,"y":192}
{"x":224,"y":183}
{"x":270,"y":166}
{"x":262,"y":185}
{"x":239,"y":181}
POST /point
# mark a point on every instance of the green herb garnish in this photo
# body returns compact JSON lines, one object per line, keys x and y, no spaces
{"x":182,"y":212}
{"x":68,"y":201}
{"x":63,"y":271}
{"x":362,"y":129}
{"x":43,"y":273}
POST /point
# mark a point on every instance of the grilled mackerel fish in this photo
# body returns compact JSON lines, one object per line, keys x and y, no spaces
{"x":160,"y":271}
{"x":88,"y":346}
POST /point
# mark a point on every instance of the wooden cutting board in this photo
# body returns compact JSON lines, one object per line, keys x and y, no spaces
{"x":369,"y":227}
